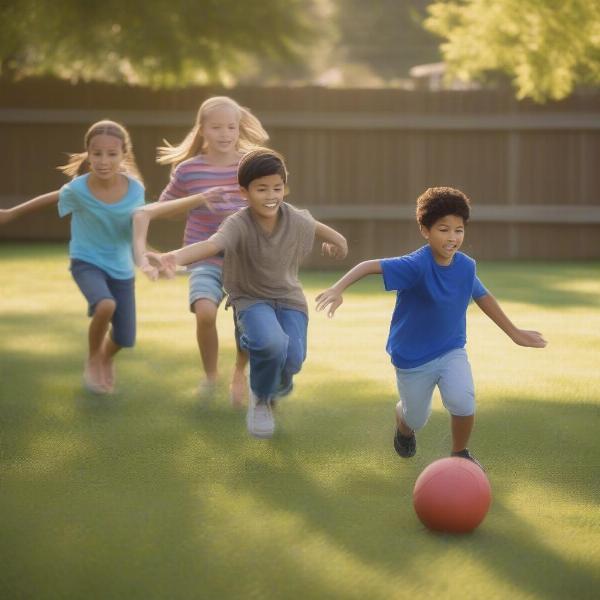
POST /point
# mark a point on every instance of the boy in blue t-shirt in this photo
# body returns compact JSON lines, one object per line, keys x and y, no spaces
{"x":427,"y":336}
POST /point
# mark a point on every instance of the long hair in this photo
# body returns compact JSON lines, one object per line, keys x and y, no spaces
{"x":78,"y":163}
{"x":252,"y":133}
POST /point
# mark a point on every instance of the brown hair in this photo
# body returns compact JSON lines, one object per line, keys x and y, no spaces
{"x":78,"y":163}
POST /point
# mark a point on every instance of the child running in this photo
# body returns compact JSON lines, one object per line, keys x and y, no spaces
{"x":434,"y":286}
{"x":264,"y":245}
{"x":204,"y":169}
{"x":105,"y":189}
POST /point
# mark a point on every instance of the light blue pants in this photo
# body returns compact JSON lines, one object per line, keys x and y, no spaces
{"x":275,"y":339}
{"x":451,"y":372}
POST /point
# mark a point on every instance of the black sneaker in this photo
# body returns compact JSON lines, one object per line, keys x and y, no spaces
{"x":466,"y":454}
{"x":405,"y":446}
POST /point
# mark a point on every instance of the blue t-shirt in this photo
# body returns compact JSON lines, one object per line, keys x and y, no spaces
{"x":101,"y":233}
{"x":430,"y":316}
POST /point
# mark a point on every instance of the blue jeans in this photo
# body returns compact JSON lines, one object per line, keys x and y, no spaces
{"x":275,"y":339}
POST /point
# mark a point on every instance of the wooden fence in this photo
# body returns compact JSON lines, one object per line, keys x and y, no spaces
{"x":357,"y":158}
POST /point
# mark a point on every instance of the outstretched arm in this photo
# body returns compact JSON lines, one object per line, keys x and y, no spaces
{"x":142,"y":217}
{"x":332,"y":297}
{"x":334,"y":243}
{"x":522,"y":337}
{"x":8,"y":214}
{"x":169,"y":261}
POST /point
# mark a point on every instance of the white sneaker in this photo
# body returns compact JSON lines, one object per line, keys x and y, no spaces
{"x":206,"y":391}
{"x":259,"y":418}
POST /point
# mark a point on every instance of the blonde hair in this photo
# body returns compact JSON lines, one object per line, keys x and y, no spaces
{"x":78,"y":163}
{"x":252,"y":133}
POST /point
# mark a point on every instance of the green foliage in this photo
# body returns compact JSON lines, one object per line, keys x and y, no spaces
{"x":156,"y":42}
{"x":546,"y":47}
{"x":386,"y":35}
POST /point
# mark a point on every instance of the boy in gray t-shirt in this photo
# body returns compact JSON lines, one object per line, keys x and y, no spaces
{"x":264,"y":245}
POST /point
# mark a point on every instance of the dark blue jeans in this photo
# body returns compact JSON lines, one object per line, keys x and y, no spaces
{"x":275,"y":339}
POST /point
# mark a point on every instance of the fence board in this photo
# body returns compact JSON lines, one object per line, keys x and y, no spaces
{"x":357,"y":158}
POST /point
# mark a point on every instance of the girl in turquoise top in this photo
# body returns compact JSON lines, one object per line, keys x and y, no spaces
{"x":104,"y":191}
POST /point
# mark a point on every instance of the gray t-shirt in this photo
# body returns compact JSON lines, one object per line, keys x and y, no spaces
{"x":261,"y":266}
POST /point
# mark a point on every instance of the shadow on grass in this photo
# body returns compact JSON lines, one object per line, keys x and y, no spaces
{"x":115,"y":497}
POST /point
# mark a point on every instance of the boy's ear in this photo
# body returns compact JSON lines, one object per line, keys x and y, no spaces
{"x":424,"y":231}
{"x":244,"y":192}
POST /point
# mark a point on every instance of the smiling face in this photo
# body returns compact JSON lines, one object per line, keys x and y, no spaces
{"x":264,"y":196}
{"x":221,"y":130}
{"x":445,"y":237}
{"x":105,"y":155}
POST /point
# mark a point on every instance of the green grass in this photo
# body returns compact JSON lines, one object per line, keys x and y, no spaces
{"x":146,"y":495}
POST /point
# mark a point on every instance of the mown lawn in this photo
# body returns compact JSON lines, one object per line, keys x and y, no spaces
{"x":148,"y":495}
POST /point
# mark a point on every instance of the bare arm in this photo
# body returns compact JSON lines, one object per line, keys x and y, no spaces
{"x":334,"y":243}
{"x":171,"y":208}
{"x":8,"y":214}
{"x":522,"y":337}
{"x":157,"y":210}
{"x":332,"y":297}
{"x":169,"y":261}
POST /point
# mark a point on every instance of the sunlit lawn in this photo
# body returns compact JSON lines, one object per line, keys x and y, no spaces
{"x":148,"y":495}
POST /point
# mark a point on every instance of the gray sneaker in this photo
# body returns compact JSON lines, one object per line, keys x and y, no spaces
{"x":259,"y":418}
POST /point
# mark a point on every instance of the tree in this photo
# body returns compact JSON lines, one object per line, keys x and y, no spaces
{"x":385,"y":35}
{"x":156,"y":42}
{"x":546,"y":47}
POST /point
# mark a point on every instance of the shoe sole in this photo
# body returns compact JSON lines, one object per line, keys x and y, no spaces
{"x":261,"y":436}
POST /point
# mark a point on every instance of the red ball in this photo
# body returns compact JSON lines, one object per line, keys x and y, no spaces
{"x":452,"y":495}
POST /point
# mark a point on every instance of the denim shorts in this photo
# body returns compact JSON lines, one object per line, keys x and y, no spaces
{"x":95,"y":284}
{"x":206,"y":282}
{"x":451,"y":372}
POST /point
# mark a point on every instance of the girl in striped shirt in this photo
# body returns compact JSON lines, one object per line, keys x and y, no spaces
{"x":204,"y":184}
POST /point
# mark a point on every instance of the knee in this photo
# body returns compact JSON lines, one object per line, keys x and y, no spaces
{"x":460,"y":406}
{"x":206,"y":316}
{"x":273,"y":347}
{"x":105,"y":309}
{"x":414,"y":420}
{"x":295,"y":358}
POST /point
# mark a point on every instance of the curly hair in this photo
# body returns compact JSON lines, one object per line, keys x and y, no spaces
{"x":437,"y":202}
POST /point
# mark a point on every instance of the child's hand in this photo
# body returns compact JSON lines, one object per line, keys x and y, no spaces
{"x":333,"y":250}
{"x":215,"y":196}
{"x":330,"y":298}
{"x":531,"y":339}
{"x":164,"y":263}
{"x":5,"y":216}
{"x":149,"y":271}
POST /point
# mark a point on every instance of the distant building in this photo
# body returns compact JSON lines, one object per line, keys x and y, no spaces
{"x":432,"y":76}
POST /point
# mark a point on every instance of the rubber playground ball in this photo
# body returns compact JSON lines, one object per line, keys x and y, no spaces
{"x":452,"y":495}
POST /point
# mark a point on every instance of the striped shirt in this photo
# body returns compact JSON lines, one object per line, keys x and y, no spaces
{"x":193,"y":176}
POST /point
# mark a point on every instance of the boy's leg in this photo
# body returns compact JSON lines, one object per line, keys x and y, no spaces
{"x":461,"y":431}
{"x":239,"y":384}
{"x":458,"y":395}
{"x":262,"y":336}
{"x":415,"y":388}
{"x":295,"y":324}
